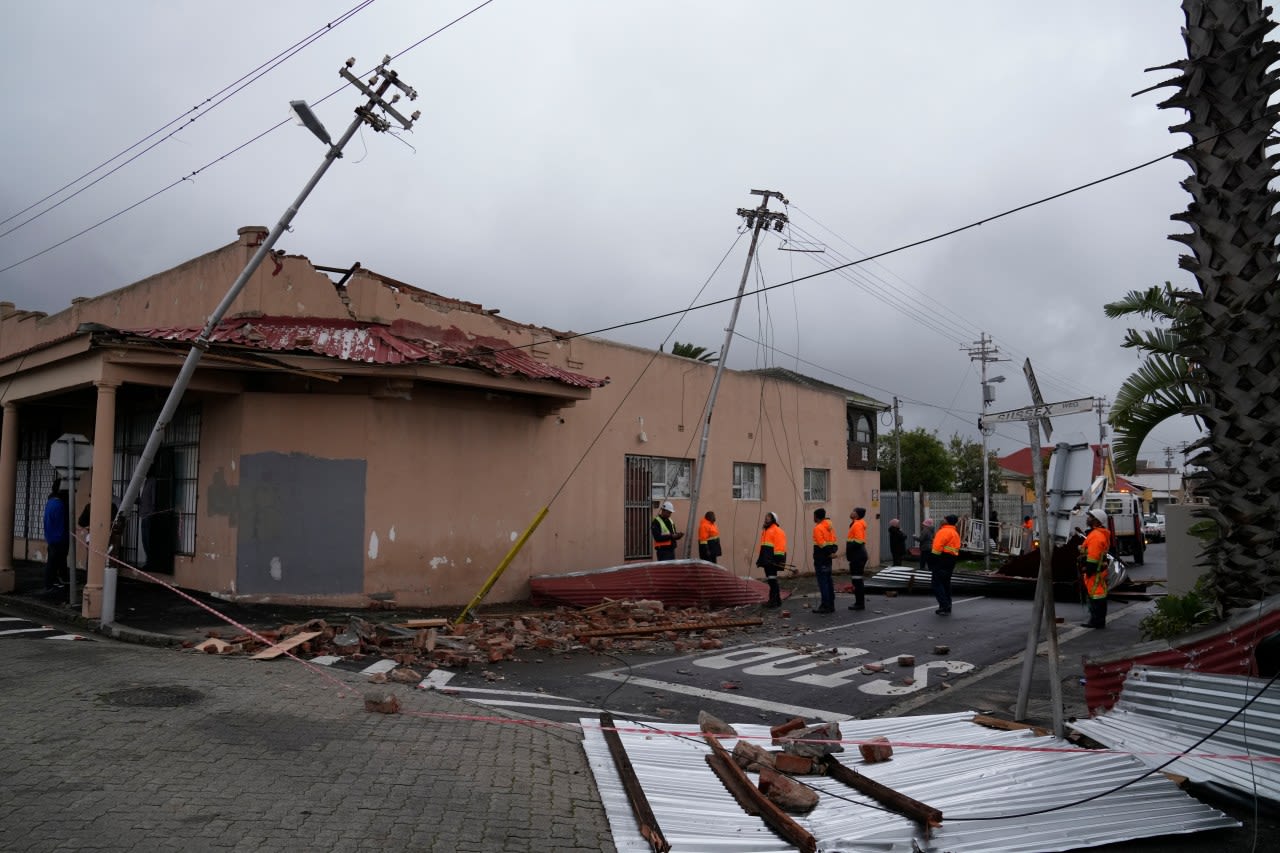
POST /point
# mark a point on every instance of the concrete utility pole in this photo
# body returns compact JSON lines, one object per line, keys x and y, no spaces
{"x":985,"y":352}
{"x":1103,"y":449}
{"x":383,"y":78}
{"x":758,"y":219}
{"x":897,"y":453}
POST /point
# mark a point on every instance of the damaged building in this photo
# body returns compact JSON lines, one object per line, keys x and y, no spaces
{"x":350,"y":439}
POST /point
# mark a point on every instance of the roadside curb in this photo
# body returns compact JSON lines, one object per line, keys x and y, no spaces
{"x":61,"y":613}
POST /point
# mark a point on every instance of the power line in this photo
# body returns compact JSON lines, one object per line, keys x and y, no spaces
{"x":215,"y":100}
{"x":219,"y":159}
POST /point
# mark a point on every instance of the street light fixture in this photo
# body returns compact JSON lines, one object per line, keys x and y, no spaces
{"x":303,"y":115}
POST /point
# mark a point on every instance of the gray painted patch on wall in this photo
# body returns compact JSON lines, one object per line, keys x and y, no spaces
{"x":301,"y":525}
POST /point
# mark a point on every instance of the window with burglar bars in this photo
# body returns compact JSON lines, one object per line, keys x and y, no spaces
{"x":748,"y":481}
{"x":168,"y":504}
{"x":815,"y":484}
{"x":650,"y":480}
{"x":34,"y":482}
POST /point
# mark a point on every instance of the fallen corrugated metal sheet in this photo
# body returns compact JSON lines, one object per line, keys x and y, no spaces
{"x":1226,"y":649}
{"x":966,"y":770}
{"x":401,"y":342}
{"x":1164,"y":711}
{"x":676,"y":583}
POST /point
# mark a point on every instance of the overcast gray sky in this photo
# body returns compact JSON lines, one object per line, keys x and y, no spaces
{"x":579,"y":165}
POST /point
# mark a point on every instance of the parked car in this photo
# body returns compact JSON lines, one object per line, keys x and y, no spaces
{"x":1153,"y":527}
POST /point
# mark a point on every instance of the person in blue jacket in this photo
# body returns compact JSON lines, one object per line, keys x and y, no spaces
{"x":57,"y":537}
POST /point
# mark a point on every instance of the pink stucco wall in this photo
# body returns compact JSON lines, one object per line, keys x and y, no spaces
{"x":453,"y":475}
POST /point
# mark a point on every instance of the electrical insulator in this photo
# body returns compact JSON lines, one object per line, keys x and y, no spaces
{"x":777,"y":226}
{"x":751,"y":222}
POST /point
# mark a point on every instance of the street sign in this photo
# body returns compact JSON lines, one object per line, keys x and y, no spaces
{"x":1045,"y":423}
{"x":1048,"y":410}
{"x":70,"y":454}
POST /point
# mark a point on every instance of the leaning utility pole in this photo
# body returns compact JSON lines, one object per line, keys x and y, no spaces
{"x":383,"y":79}
{"x":758,"y":219}
{"x":897,"y":455}
{"x":984,"y":351}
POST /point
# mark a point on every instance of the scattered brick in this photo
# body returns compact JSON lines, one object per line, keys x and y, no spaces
{"x":711,"y":724}
{"x":381,"y":703}
{"x":786,"y":794}
{"x":875,"y":750}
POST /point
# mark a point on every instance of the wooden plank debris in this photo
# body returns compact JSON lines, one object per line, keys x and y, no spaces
{"x":927,"y":816}
{"x":214,"y":646}
{"x":280,"y":648}
{"x":671,"y":626}
{"x":423,"y":623}
{"x":646,"y":821}
{"x":1008,"y":725}
{"x":754,"y":801}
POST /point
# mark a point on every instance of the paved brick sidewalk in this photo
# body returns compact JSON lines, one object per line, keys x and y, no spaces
{"x":268,"y":756}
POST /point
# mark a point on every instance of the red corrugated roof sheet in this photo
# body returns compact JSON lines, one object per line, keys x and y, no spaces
{"x":1226,"y":649}
{"x":402,"y":342}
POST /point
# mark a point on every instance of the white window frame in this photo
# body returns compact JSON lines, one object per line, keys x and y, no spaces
{"x":816,"y":482}
{"x":748,"y":481}
{"x":671,"y":478}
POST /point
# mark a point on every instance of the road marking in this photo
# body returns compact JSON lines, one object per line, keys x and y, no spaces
{"x":67,"y":637}
{"x":581,"y":709}
{"x":748,"y":701}
{"x":791,"y":638}
{"x":380,"y":666}
{"x":438,"y":679}
{"x":325,"y":660}
{"x":12,"y":631}
{"x":11,"y":619}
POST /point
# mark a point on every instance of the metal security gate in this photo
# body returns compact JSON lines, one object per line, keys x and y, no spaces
{"x":637,"y":509}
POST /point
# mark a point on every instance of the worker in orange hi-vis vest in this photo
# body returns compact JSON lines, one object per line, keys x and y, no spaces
{"x":825,"y":547}
{"x":942,"y":562}
{"x":1093,"y":554}
{"x":708,"y":538}
{"x":855,"y":551}
{"x":773,"y":556}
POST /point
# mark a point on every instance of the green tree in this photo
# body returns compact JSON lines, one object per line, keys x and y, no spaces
{"x":1228,"y":89}
{"x":1165,"y":385}
{"x":925,"y":463}
{"x":694,"y":352}
{"x":966,"y":461}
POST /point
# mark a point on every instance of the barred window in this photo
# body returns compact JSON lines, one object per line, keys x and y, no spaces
{"x":815,"y":484}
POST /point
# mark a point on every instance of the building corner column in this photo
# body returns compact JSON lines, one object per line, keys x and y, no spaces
{"x":100,"y":499}
{"x":8,"y":494}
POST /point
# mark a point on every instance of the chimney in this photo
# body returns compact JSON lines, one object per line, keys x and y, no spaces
{"x":252,"y":235}
{"x":6,"y":308}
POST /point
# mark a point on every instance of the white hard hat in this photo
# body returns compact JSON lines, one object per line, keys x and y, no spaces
{"x":1099,"y":516}
{"x":668,"y":506}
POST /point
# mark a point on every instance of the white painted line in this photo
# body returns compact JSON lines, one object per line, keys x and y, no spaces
{"x":791,"y":637}
{"x":436,"y":679}
{"x":11,"y":619}
{"x":718,"y":696}
{"x":528,"y":693}
{"x":581,"y":709}
{"x":67,"y":637}
{"x":380,"y":666}
{"x":325,"y":660}
{"x":23,"y":631}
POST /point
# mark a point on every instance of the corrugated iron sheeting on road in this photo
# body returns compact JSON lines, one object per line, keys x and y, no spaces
{"x":937,"y":760}
{"x":1163,"y":711}
{"x":1226,"y":649}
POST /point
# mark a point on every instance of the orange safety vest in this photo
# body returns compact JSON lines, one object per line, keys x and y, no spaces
{"x":708,"y":532}
{"x":1029,"y":524}
{"x":775,"y":537}
{"x":858,"y":531}
{"x":824,"y":534}
{"x":1096,"y":544}
{"x":947,"y":541}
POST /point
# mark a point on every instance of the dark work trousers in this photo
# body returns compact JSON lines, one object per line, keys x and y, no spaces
{"x":666,"y":553}
{"x":775,"y":592}
{"x":1098,"y":612}
{"x":940,"y":569}
{"x":826,"y":585}
{"x":55,"y":568}
{"x":857,"y":556}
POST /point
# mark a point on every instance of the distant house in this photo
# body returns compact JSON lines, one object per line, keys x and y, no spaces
{"x":350,"y":438}
{"x":1015,"y":471}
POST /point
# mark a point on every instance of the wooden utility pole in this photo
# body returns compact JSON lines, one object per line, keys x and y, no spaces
{"x":758,"y":219}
